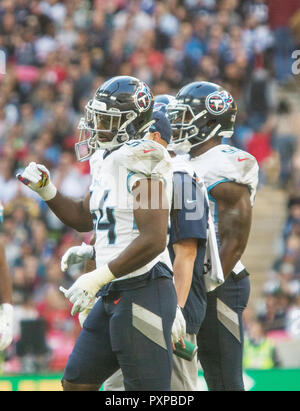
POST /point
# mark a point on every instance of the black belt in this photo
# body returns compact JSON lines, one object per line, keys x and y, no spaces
{"x":240,"y":276}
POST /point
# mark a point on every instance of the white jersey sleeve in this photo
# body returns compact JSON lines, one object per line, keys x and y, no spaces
{"x":95,"y":162}
{"x":145,"y":159}
{"x":224,"y":163}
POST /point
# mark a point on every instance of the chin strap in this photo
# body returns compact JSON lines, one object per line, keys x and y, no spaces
{"x":211,"y":135}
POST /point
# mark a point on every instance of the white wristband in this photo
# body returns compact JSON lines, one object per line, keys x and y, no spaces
{"x":47,"y":193}
{"x":102,"y":275}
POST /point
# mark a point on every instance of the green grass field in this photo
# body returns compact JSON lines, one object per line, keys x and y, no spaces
{"x":255,"y":380}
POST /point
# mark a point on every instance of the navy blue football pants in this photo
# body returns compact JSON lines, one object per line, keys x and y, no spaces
{"x":128,"y":329}
{"x":220,"y":339}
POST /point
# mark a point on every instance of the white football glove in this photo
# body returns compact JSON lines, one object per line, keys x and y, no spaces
{"x":179,"y":325}
{"x":83,"y":292}
{"x":76,"y":255}
{"x":37,"y":177}
{"x":6,"y":325}
{"x":83,"y":314}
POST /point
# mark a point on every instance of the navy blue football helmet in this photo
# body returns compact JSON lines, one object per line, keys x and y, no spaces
{"x":201,"y":111}
{"x":120,"y":110}
{"x":161,"y":101}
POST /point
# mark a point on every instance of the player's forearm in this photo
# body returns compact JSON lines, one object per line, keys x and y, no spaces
{"x":183,"y":274}
{"x":230,"y":253}
{"x":139,"y":253}
{"x":71,"y":212}
{"x":234,"y":231}
{"x":5,"y":284}
{"x":235,"y":215}
{"x":89,"y":265}
{"x":5,"y":279}
{"x":183,"y":267}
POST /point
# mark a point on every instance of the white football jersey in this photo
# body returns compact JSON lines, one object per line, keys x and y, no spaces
{"x":96,"y":161}
{"x":111,"y":198}
{"x":225,"y":163}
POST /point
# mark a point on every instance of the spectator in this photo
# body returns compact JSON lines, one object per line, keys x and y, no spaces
{"x":280,"y":15}
{"x":260,"y":98}
{"x":273,"y":317}
{"x":293,"y":318}
{"x":293,"y":217}
{"x":68,"y":179}
{"x":284,"y":141}
{"x":259,"y":351}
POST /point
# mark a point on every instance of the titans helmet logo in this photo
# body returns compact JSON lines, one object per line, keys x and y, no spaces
{"x":218,"y":102}
{"x":143,"y":98}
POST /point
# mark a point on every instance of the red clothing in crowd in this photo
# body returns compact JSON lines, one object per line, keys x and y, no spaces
{"x":280,"y":12}
{"x":259,"y":146}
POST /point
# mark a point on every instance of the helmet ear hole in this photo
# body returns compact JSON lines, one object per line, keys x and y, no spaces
{"x":211,"y":122}
{"x":122,"y":138}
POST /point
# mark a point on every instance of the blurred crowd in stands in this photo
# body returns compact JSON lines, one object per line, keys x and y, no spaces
{"x":57,"y":53}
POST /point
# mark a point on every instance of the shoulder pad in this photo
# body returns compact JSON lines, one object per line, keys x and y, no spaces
{"x":245,"y":163}
{"x":240,"y":167}
{"x":233,"y":163}
{"x":145,"y":157}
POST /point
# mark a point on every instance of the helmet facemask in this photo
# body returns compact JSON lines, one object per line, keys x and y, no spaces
{"x":190,"y":129}
{"x":186,"y":128}
{"x":103,"y":129}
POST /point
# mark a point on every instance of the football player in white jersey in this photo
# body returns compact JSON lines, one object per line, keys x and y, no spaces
{"x":6,"y":306}
{"x":203,"y":114}
{"x":187,"y":245}
{"x":129,"y":327}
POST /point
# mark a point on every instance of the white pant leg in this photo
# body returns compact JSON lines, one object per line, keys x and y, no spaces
{"x":185,"y":373}
{"x":115,"y":382}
